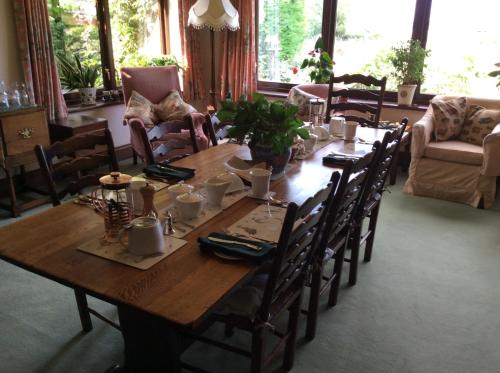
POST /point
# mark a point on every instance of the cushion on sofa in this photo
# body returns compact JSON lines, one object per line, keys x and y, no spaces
{"x":449,"y":115}
{"x":140,"y":107}
{"x":172,"y":107}
{"x":455,"y":151}
{"x":478,"y":123}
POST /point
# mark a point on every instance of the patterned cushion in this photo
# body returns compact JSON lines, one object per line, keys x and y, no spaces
{"x":449,"y":116}
{"x":140,"y":107}
{"x":172,"y":107}
{"x":478,"y":123}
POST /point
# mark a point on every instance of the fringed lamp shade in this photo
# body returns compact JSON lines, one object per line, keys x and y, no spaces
{"x":216,"y":15}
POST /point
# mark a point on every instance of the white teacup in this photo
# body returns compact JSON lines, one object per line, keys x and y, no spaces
{"x":337,"y":126}
{"x":321,"y":132}
{"x":179,"y":188}
{"x":310,"y":142}
{"x":188,"y":205}
{"x":350,"y":130}
{"x":216,"y":188}
{"x":260,"y":179}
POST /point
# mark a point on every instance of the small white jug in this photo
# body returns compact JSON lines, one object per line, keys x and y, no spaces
{"x":216,"y":188}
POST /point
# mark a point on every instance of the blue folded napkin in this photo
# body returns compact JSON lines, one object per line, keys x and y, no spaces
{"x":168,"y":172}
{"x":234,"y":249}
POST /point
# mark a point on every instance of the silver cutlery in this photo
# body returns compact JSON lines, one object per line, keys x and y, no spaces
{"x":221,"y":240}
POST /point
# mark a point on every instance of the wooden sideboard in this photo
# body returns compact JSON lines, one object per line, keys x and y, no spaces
{"x":20,"y":131}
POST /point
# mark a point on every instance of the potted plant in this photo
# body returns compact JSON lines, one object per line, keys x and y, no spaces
{"x":269,"y":127}
{"x":408,"y":60}
{"x":320,"y":64}
{"x":80,"y":76}
{"x":496,"y":74}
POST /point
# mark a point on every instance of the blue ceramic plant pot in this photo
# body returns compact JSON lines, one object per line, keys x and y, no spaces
{"x":266,"y":154}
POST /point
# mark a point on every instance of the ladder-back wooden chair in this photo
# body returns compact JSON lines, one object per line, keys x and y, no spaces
{"x":337,"y":229}
{"x":281,"y":285}
{"x":366,"y":114}
{"x":77,"y":157}
{"x":371,"y":199}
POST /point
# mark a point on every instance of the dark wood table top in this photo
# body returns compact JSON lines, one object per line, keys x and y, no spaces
{"x":180,"y":288}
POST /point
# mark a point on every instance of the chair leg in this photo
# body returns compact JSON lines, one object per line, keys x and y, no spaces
{"x":228,"y":330}
{"x":257,"y":350}
{"x":293,"y":322}
{"x":337,"y":270}
{"x":312,"y":309}
{"x":353,"y":265}
{"x":134,"y":157}
{"x":81,"y":302}
{"x":371,"y":226}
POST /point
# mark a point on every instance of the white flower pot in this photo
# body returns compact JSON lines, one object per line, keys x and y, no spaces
{"x":406,"y":93}
{"x":87,"y":95}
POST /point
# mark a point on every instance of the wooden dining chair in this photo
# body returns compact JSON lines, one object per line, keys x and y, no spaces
{"x":372,"y":197}
{"x":337,"y":229}
{"x":77,"y":156}
{"x":215,"y":129}
{"x":280,"y":286}
{"x":365,"y":113}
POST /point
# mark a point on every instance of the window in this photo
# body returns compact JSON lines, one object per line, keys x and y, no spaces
{"x":464,"y":48}
{"x":74,"y":29}
{"x":363,"y":39}
{"x":463,"y":39}
{"x":112,"y":33}
{"x":288,"y":30}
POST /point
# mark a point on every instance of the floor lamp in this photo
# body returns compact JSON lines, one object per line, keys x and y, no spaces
{"x":216,"y":15}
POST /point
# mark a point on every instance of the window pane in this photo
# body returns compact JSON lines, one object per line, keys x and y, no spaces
{"x":365,"y":32}
{"x":288,"y":30}
{"x":74,"y":29}
{"x":464,"y":40}
{"x":135,"y":30}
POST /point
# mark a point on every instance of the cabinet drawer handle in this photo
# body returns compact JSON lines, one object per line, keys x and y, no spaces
{"x":26,"y":133}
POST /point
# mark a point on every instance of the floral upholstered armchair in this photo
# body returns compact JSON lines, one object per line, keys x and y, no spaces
{"x":455,"y":151}
{"x":161,"y":125}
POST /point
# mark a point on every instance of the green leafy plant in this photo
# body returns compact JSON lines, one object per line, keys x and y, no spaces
{"x":320,"y":64}
{"x":496,"y":74}
{"x":162,"y":60}
{"x":273,"y":124}
{"x":75,"y":74}
{"x":408,"y":60}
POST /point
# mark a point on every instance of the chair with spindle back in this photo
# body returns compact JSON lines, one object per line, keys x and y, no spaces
{"x":281,"y":285}
{"x":366,"y":114}
{"x":372,"y":196}
{"x":337,"y":228}
{"x":78,"y":156}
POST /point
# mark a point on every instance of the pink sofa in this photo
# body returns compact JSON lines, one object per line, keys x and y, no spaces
{"x":454,"y":170}
{"x":168,"y":139}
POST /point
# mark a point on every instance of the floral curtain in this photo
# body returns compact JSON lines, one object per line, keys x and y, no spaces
{"x":194,"y":88}
{"x":238,"y":61}
{"x":37,"y":57}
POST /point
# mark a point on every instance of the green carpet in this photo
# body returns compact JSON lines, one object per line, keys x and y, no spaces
{"x":428,"y":302}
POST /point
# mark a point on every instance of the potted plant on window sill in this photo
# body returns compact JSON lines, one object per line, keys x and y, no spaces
{"x":76,"y":75}
{"x":408,"y":60}
{"x":269,"y":127}
{"x":320,"y":64}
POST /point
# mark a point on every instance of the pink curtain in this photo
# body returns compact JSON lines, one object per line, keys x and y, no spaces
{"x":238,"y":61}
{"x":190,"y":44}
{"x":37,"y":57}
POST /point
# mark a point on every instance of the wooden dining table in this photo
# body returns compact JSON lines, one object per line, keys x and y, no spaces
{"x":181,"y":290}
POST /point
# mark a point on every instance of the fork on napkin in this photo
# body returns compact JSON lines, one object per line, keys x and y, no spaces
{"x":234,"y":246}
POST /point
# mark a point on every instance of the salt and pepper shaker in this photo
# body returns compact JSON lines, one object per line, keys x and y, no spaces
{"x":169,"y":225}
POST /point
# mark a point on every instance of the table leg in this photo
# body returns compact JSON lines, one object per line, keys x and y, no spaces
{"x":151,"y":344}
{"x":12,"y":192}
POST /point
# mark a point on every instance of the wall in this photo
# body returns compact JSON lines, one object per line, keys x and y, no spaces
{"x":10,"y":69}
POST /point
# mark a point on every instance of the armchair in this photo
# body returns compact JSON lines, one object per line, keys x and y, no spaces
{"x":454,"y":170}
{"x":166,"y":139}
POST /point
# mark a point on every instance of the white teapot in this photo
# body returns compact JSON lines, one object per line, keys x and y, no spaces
{"x":145,"y":236}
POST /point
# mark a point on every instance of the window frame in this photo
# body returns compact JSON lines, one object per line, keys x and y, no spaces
{"x":420,"y":31}
{"x":108,"y":68}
